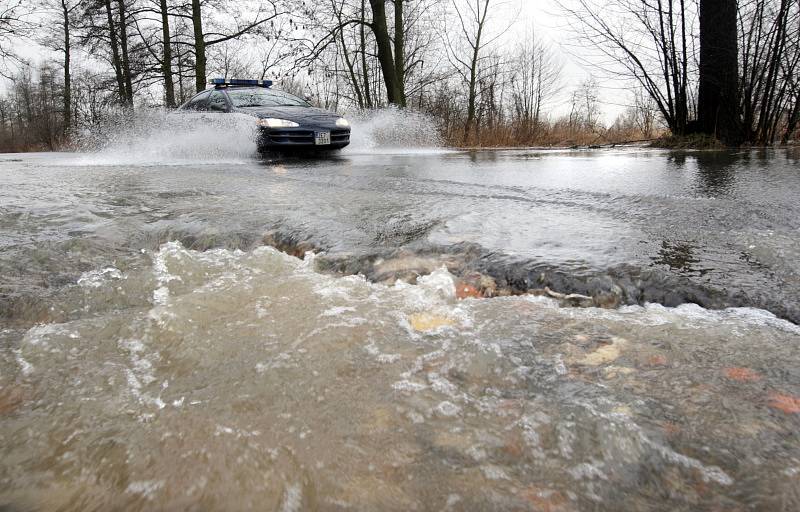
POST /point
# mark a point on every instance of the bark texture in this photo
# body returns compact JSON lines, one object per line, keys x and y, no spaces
{"x":718,"y":99}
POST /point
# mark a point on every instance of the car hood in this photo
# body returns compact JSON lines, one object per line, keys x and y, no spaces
{"x":296,"y":114}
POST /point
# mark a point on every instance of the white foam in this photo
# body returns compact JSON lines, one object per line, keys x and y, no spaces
{"x":408,"y":386}
{"x":38,"y":334}
{"x":689,"y":315}
{"x":492,"y":472}
{"x":141,"y":372}
{"x":447,"y":409}
{"x":336,"y":311}
{"x":439,"y":283}
{"x":708,"y":472}
{"x":146,"y":488}
{"x":25,"y":367}
{"x":588,"y":471}
{"x":292,"y":498}
{"x":97,"y":278}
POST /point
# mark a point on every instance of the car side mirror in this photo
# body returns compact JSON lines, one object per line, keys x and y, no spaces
{"x":216,"y":107}
{"x":308,"y":97}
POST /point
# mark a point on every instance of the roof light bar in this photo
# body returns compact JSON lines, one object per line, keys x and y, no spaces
{"x":237,"y":81}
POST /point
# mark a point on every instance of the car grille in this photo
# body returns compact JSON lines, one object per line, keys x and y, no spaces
{"x":338,"y":136}
{"x":305,"y":136}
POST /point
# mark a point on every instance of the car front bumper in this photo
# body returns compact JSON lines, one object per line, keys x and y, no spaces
{"x":302,"y":137}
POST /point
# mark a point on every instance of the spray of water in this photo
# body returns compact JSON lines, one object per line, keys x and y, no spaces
{"x":157,"y":137}
{"x":166,"y":138}
{"x":393,"y":130}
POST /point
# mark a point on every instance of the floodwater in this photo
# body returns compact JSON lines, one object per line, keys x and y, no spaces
{"x":157,"y":352}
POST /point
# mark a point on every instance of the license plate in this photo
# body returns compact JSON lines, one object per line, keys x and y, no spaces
{"x":322,"y":138}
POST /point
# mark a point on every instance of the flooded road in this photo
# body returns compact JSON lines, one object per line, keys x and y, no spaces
{"x":157,"y":352}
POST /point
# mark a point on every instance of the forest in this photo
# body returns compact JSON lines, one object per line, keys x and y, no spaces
{"x":724,"y":70}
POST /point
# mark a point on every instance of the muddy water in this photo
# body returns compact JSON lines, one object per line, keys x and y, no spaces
{"x":155,"y":355}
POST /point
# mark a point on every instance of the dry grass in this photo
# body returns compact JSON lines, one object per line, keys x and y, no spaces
{"x":508,"y":135}
{"x":695,"y":141}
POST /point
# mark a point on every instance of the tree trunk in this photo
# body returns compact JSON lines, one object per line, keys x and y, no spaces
{"x":123,"y":40}
{"x":67,"y":77}
{"x":364,"y":69}
{"x":179,"y":63}
{"x":166,"y":60}
{"x":472,"y":92}
{"x":399,"y":51}
{"x":718,"y":101}
{"x":473,"y":69}
{"x":112,"y":33}
{"x":683,"y":119}
{"x":199,"y":47}
{"x":394,"y":93}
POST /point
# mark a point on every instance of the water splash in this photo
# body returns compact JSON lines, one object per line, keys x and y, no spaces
{"x":159,"y":137}
{"x":391,"y":130}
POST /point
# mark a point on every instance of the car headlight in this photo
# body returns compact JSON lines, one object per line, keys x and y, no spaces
{"x":342,"y":123}
{"x":270,"y":122}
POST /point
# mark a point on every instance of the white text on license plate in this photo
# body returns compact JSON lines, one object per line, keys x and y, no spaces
{"x":321,"y":138}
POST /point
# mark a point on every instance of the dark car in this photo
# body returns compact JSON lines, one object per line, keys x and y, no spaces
{"x":285,"y":121}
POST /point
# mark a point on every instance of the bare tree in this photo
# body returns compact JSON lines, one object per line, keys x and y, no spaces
{"x":467,"y":49}
{"x":492,"y":85}
{"x":155,"y":44}
{"x":358,"y":88}
{"x":122,"y":10}
{"x":769,"y":41}
{"x":644,"y":114}
{"x":647,"y":41}
{"x":93,"y":38}
{"x":387,"y":55}
{"x":166,"y":54}
{"x":59,"y":38}
{"x":744,"y":71}
{"x":33,"y":113}
{"x":534,"y":80}
{"x":585,"y":106}
{"x":274,"y":53}
{"x":229,"y":60}
{"x":15,"y":23}
{"x":396,"y":50}
{"x":362,"y":37}
{"x":225,"y":25}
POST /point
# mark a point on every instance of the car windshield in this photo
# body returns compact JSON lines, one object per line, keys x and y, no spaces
{"x":264,"y":98}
